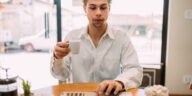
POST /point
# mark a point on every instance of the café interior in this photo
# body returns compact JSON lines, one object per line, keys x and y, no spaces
{"x":160,"y":30}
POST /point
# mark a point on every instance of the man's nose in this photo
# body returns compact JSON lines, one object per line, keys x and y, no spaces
{"x":98,"y":12}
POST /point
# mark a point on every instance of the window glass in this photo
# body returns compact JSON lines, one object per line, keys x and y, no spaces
{"x":141,"y":19}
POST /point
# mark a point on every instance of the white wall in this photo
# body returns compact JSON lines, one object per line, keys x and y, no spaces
{"x":179,"y":53}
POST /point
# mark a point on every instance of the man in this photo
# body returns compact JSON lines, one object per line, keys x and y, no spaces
{"x":106,"y":54}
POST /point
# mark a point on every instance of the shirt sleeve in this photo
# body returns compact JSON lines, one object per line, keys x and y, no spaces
{"x":60,"y":68}
{"x":132,"y":72}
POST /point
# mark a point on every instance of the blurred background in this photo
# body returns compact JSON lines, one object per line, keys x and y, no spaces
{"x":28,"y":32}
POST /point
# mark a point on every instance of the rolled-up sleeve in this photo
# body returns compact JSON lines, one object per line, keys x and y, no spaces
{"x":60,"y":68}
{"x":132,"y":72}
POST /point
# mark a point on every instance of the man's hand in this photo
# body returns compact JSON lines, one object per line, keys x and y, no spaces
{"x":61,"y":49}
{"x":108,"y":87}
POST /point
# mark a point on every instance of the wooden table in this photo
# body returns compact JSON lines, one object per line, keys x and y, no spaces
{"x":57,"y":90}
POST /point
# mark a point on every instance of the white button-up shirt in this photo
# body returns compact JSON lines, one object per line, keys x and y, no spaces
{"x":113,"y":59}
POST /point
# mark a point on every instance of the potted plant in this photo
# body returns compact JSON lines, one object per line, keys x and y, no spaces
{"x":26,"y":88}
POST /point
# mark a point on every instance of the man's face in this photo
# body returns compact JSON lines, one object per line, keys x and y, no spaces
{"x":97,"y":12}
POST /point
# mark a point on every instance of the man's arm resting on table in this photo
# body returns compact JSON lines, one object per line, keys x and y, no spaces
{"x":131,"y":78}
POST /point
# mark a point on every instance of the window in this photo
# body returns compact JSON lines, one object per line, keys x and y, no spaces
{"x":142,"y":19}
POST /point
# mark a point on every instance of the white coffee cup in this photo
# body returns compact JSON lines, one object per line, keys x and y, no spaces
{"x":74,"y":46}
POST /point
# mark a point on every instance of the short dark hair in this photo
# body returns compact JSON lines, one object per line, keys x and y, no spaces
{"x":85,"y":2}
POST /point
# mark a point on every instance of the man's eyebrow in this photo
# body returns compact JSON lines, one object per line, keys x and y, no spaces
{"x":103,"y":4}
{"x":92,"y":5}
{"x":99,"y":5}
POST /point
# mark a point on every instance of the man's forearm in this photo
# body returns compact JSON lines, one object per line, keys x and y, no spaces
{"x":58,"y":69}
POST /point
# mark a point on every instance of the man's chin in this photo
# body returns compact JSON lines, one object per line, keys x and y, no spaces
{"x":99,"y":25}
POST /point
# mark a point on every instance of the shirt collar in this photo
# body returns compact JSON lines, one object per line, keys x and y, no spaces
{"x":109,"y":32}
{"x":84,"y":32}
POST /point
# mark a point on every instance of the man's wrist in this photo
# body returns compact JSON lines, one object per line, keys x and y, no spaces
{"x":55,"y":57}
{"x":120,"y":82}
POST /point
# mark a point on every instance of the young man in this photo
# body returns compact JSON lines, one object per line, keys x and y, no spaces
{"x":106,"y":54}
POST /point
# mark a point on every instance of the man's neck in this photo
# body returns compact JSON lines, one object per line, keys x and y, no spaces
{"x":96,"y":33}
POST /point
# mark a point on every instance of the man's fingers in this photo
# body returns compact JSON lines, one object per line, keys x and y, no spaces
{"x":64,"y":44}
{"x":110,"y":87}
{"x":58,"y":55}
{"x":118,"y":88}
{"x":60,"y":52}
{"x":102,"y":87}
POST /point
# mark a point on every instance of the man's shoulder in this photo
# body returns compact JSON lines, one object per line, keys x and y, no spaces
{"x":76,"y":32}
{"x":117,"y":31}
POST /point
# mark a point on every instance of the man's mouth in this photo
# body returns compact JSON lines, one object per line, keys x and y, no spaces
{"x":98,"y":20}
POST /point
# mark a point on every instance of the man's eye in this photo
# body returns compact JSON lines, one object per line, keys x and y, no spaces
{"x":92,"y":8}
{"x":103,"y":8}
